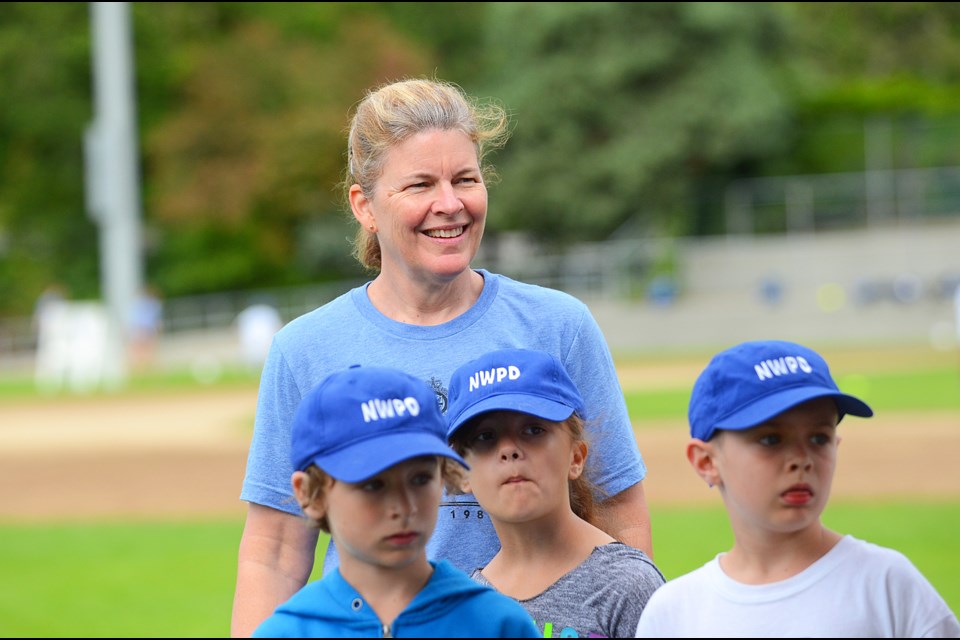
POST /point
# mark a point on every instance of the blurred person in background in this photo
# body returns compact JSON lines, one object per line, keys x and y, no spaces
{"x":145,"y":324}
{"x":416,"y":182}
{"x":256,"y":326}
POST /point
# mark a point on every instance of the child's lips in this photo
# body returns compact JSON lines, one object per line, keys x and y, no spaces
{"x":404,"y":538}
{"x":798,"y":495}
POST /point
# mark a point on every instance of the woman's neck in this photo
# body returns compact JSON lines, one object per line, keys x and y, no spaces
{"x":423,"y":302}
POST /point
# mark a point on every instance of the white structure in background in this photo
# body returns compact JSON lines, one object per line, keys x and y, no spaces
{"x":956,"y":311}
{"x":73,"y":348}
{"x":112,"y":173}
{"x":256,"y":326}
{"x":53,"y":344}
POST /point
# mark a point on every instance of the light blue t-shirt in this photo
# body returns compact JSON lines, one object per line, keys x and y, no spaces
{"x":509,"y":314}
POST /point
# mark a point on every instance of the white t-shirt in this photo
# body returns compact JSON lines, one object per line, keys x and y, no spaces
{"x":857,"y":589}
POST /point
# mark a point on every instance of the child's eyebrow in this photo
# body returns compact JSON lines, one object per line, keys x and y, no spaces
{"x":769,"y":424}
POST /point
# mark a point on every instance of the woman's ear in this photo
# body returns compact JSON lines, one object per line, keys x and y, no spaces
{"x":578,"y":459}
{"x":362,"y":211}
{"x":702,"y":457}
{"x":315,"y":509}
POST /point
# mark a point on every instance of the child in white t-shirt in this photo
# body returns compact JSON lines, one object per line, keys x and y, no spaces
{"x":763,"y":420}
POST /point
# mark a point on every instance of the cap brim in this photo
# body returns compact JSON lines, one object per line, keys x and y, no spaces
{"x":533,"y":405}
{"x":369,"y":457}
{"x":776,"y":403}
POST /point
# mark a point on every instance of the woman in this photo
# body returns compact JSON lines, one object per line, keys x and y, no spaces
{"x":416,"y":184}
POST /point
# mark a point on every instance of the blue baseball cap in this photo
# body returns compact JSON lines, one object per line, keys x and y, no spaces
{"x":524,"y":380}
{"x":358,"y":422}
{"x":752,"y":382}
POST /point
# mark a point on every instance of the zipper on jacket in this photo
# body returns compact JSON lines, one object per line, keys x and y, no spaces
{"x":386,"y":631}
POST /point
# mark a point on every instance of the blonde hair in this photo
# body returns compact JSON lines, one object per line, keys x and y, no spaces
{"x":583,"y":492}
{"x":317,"y":482}
{"x":392,"y":113}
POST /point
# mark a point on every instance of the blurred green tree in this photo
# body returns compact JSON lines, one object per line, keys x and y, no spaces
{"x":620,"y":108}
{"x":897,"y":62}
{"x":242,"y":109}
{"x":623,"y":111}
{"x":45,"y":234}
{"x":243,"y":166}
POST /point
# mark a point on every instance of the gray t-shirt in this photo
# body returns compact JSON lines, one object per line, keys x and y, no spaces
{"x":602,"y":597}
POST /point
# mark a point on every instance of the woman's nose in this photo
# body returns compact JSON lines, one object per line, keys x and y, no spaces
{"x":447,"y":199}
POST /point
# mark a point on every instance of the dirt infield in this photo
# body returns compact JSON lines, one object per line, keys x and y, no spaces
{"x":148,"y":456}
{"x":183,"y":454}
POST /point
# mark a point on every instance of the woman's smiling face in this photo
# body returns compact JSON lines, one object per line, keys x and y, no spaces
{"x":429,"y":205}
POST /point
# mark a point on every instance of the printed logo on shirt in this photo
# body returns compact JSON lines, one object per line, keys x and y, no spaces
{"x":566,"y":632}
{"x":441,"y":392}
{"x":462,"y":510}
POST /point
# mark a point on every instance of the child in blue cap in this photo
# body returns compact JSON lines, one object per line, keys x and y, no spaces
{"x":763,"y":420}
{"x":370,"y":458}
{"x":517,"y":418}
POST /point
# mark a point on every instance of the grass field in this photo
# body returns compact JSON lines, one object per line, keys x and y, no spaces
{"x":176,"y":579}
{"x":152,"y":578}
{"x":914,"y":379}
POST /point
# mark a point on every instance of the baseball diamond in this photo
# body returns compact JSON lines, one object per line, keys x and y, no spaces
{"x":139,"y":455}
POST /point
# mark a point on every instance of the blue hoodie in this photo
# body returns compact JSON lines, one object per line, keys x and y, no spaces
{"x":450,"y":605}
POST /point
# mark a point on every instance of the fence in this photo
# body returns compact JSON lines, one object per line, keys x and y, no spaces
{"x":841,"y":200}
{"x":627,"y":268}
{"x":189,"y":314}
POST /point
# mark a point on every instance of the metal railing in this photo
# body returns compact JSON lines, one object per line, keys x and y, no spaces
{"x":841,"y":200}
{"x":620,"y":268}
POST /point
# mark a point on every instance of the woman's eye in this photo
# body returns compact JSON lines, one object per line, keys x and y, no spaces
{"x":770,"y":439}
{"x":821,"y":439}
{"x":535,"y":430}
